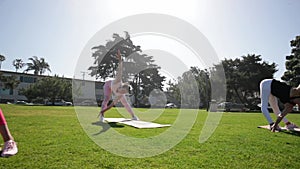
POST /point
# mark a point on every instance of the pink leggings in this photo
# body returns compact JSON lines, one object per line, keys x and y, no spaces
{"x":107,"y":94}
{"x":2,"y":119}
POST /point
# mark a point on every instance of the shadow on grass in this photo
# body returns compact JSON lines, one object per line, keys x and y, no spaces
{"x":106,"y":126}
{"x":2,"y":156}
{"x":294,"y":133}
{"x":290,"y":132}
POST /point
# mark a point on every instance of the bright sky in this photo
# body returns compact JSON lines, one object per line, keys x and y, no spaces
{"x":58,"y":30}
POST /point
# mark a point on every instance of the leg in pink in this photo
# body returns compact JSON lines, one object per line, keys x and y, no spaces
{"x":4,"y":129}
{"x":2,"y":119}
{"x":10,"y":146}
{"x":107,"y":94}
{"x":126,"y":105}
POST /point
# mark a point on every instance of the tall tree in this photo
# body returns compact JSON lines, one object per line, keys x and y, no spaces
{"x":173,"y":92}
{"x":2,"y":58}
{"x":292,"y":64}
{"x":202,"y":78}
{"x":18,"y":64}
{"x":39,"y":66}
{"x":150,"y":80}
{"x":138,"y":68}
{"x":203,"y":82}
{"x":244,"y":75}
{"x":188,"y":89}
{"x":105,"y":63}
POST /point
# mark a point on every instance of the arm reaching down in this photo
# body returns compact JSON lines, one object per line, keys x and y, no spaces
{"x":110,"y":105}
{"x":287,"y":108}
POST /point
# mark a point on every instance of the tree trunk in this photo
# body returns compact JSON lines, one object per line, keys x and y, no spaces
{"x":237,"y":94}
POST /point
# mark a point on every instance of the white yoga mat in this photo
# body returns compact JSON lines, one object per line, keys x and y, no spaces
{"x":282,"y":128}
{"x":115,"y":120}
{"x":136,"y":123}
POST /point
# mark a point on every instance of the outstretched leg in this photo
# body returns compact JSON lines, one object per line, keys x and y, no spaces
{"x":128,"y":107}
{"x":4,"y":129}
{"x":265,"y":92}
{"x":10,"y":147}
{"x":107,"y":94}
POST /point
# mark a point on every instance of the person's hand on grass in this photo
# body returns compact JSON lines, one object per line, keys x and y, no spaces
{"x":275,"y":128}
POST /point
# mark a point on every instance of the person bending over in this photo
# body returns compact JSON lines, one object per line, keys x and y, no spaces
{"x":270,"y":91}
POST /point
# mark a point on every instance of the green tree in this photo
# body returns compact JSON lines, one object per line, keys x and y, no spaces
{"x":150,"y":80}
{"x":49,"y":88}
{"x":18,"y":64}
{"x":10,"y":82}
{"x":105,"y":63}
{"x":292,"y":64}
{"x":217,"y":82}
{"x":203,"y":81}
{"x":188,"y":89}
{"x":204,"y":87}
{"x":144,"y":83}
{"x":38,"y":65}
{"x":185,"y":91}
{"x":244,"y":75}
{"x":2,"y":58}
{"x":173,"y":92}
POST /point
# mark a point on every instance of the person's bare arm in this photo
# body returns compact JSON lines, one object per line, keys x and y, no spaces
{"x":120,"y":68}
{"x":110,"y":105}
{"x":287,"y":109}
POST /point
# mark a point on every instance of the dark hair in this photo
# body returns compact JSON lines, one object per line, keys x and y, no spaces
{"x":296,"y":92}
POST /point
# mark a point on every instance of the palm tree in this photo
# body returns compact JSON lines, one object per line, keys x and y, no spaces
{"x":18,"y":64}
{"x":44,"y":66}
{"x":2,"y":58}
{"x":33,"y":66}
{"x":39,"y":66}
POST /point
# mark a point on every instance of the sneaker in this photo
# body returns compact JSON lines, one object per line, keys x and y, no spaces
{"x":135,"y":118}
{"x":291,"y":126}
{"x":101,"y":118}
{"x":9,"y":149}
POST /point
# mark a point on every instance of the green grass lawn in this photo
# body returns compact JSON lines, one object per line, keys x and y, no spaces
{"x":52,"y":137}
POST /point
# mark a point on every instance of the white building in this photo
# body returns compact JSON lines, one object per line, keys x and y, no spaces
{"x":87,"y":90}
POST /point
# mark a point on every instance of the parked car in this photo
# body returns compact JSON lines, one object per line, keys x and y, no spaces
{"x":296,"y":108}
{"x":229,"y":106}
{"x":170,"y":105}
{"x":68,"y":104}
{"x":60,"y":103}
{"x":87,"y":103}
{"x":269,"y":107}
{"x":21,"y":103}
